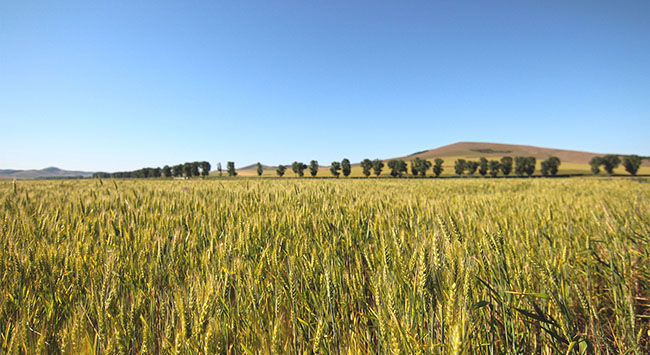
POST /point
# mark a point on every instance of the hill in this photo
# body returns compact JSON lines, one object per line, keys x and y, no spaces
{"x":47,"y":173}
{"x":488,"y":150}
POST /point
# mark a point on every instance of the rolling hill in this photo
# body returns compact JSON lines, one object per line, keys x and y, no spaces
{"x":492,"y":150}
{"x":47,"y":173}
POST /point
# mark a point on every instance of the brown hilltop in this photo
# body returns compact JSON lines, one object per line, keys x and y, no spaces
{"x":481,"y":149}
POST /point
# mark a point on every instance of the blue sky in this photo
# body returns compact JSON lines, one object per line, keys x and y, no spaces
{"x":119,"y":85}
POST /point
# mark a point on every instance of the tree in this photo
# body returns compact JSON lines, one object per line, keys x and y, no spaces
{"x":195,"y":168}
{"x":377,"y":166}
{"x":483,"y":166}
{"x":345,"y":166}
{"x":494,"y":166}
{"x":397,"y":167}
{"x":610,"y":162}
{"x":313,"y":168}
{"x":177,"y":170}
{"x":231,"y":168}
{"x":280,"y":170}
{"x":550,"y":166}
{"x":166,"y":171}
{"x":595,"y":163}
{"x":506,"y":165}
{"x":414,"y":168}
{"x":157,"y":172}
{"x":459,"y":166}
{"x":437,"y":167}
{"x":525,"y":165}
{"x":187,"y":170}
{"x":298,"y":168}
{"x":632,"y":164}
{"x":219,"y":169}
{"x":420,"y":166}
{"x":520,"y":166}
{"x":471,"y":167}
{"x":424,"y":166}
{"x":260,"y":171}
{"x":205,"y":168}
{"x":334,"y":169}
{"x":366,"y":166}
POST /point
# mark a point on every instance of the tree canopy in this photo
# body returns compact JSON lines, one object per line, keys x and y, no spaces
{"x":366,"y":166}
{"x":632,"y":164}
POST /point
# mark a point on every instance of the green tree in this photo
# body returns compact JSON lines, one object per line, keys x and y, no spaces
{"x":611,"y":162}
{"x":187,"y":170}
{"x":414,"y":168}
{"x":459,"y":166}
{"x":313,"y":168}
{"x":506,"y":165}
{"x":377,"y":166}
{"x":177,"y":170}
{"x":195,"y":168}
{"x":219,"y":169}
{"x":437,"y":166}
{"x":298,"y":168}
{"x":397,"y":167}
{"x":595,"y":163}
{"x":494,"y":166}
{"x":520,"y":165}
{"x":345,"y":166}
{"x":231,"y":168}
{"x":424,"y":166}
{"x":334,"y":169}
{"x":260,"y":169}
{"x":205,"y":168}
{"x":550,"y":166}
{"x":280,"y":170}
{"x":530,"y":165}
{"x":366,"y":166}
{"x":483,"y":166}
{"x":167,"y":171}
{"x":632,"y":164}
{"x":420,"y":166}
{"x":471,"y":167}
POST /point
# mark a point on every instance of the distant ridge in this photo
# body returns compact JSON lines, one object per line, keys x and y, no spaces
{"x":484,"y":149}
{"x":47,"y":173}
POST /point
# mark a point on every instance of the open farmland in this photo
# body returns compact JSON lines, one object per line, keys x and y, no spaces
{"x":330,"y":266}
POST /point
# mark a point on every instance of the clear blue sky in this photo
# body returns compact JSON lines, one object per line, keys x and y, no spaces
{"x":119,"y":85}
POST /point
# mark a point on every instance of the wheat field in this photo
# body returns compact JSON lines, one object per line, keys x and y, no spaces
{"x":246,"y":266}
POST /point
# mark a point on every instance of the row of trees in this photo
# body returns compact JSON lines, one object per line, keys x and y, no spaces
{"x":189,"y":169}
{"x":609,"y":162}
{"x":522,"y":166}
{"x":419,"y":167}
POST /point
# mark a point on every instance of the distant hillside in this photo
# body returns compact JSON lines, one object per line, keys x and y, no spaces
{"x":479,"y":149}
{"x":47,"y":173}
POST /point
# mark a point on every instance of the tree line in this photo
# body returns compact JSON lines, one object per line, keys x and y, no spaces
{"x":522,"y":166}
{"x":609,"y":162}
{"x":188,"y":170}
{"x":419,"y":167}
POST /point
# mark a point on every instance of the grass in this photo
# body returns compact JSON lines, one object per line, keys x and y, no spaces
{"x":325,"y":266}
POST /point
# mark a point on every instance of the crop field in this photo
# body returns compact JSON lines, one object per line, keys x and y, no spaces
{"x":334,"y":266}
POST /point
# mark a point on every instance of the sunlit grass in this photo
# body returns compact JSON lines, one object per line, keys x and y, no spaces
{"x":326,"y":266}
